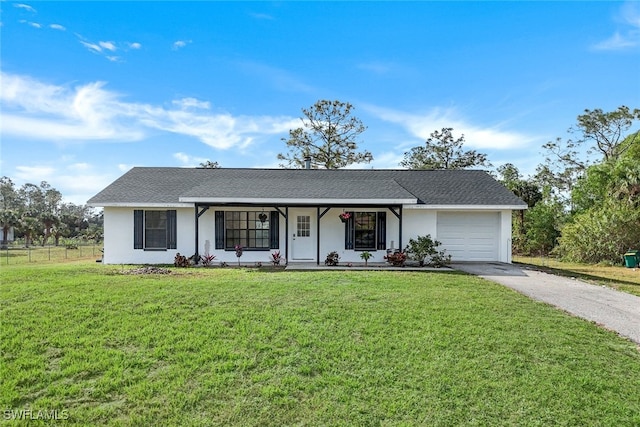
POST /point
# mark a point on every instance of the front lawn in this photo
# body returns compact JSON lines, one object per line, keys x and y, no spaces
{"x":248,"y":347}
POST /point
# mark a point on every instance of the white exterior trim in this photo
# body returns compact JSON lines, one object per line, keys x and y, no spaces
{"x":465,"y":207}
{"x":142,"y":205}
{"x":310,"y":202}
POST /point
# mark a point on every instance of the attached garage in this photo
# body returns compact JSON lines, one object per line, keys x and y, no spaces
{"x":470,"y":236}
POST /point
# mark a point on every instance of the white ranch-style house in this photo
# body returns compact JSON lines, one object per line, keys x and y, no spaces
{"x":151,"y":214}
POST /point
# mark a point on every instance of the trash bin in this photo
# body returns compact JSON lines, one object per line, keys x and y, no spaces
{"x":631,"y":258}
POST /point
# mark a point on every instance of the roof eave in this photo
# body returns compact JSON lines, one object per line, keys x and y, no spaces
{"x":468,"y":207}
{"x":296,"y":201}
{"x":138,"y":205}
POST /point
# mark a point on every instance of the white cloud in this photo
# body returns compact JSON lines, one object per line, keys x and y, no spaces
{"x":124,"y":168}
{"x":108,"y":46}
{"x":617,"y":42}
{"x":41,"y":111}
{"x":37,"y":110}
{"x":25,"y":7}
{"x":279,"y":78}
{"x":100,"y":46}
{"x":79,"y":166}
{"x":179,"y":44}
{"x":82,"y":182}
{"x":376,"y":67}
{"x":186,"y":103}
{"x":57,"y":27}
{"x":76,"y":181}
{"x":386,"y":160}
{"x":422,"y":125}
{"x":91,"y":46}
{"x":261,"y":16}
{"x":187,"y":160}
{"x":134,"y":45}
{"x":34,"y":174}
{"x":628,"y":37}
{"x":35,"y":25}
{"x":114,"y":58}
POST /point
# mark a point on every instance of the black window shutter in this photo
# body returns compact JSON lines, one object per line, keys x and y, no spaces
{"x":219,"y":229}
{"x":172,"y":233}
{"x":274,"y":232}
{"x":349,"y":231}
{"x":138,"y":229}
{"x":381,"y":230}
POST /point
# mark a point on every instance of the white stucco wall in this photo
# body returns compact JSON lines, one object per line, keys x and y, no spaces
{"x":506,"y":251}
{"x":118,"y":238}
{"x":332,"y":235}
{"x":118,"y":241}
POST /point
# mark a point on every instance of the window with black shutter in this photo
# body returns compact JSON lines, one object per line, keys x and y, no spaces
{"x":154,"y":229}
{"x":366,"y":231}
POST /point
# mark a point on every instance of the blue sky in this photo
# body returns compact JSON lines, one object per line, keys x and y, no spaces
{"x":90,"y":89}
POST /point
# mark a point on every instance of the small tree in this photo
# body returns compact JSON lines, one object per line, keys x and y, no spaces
{"x":422,"y":247}
{"x":238,"y":249}
{"x":365,"y":256}
{"x":328,"y":136}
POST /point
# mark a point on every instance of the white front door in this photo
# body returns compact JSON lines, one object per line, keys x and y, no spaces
{"x":303,"y":239}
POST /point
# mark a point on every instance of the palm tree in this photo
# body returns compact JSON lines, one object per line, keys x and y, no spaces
{"x":8,"y":218}
{"x":30,"y":226}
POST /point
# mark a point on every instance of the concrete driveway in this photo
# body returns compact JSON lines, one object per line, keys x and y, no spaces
{"x":612,"y":309}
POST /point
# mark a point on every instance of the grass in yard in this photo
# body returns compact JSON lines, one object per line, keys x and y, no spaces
{"x":245,"y":347}
{"x":621,"y":278}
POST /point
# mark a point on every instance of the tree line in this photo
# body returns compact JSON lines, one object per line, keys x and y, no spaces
{"x":37,"y":214}
{"x":583,"y":201}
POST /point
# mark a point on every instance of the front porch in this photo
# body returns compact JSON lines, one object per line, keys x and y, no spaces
{"x":302,"y":234}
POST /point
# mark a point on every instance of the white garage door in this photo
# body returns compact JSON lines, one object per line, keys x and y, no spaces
{"x":472,"y":236}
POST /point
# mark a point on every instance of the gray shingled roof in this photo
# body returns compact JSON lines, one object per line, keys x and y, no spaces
{"x":432,"y":187}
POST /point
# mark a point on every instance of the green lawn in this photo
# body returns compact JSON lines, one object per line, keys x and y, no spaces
{"x":248,"y":347}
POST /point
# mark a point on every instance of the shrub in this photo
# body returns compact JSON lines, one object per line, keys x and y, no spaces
{"x":422,"y":247}
{"x":332,"y":258}
{"x":398,"y":259}
{"x":181,"y":260}
{"x":601,"y":234}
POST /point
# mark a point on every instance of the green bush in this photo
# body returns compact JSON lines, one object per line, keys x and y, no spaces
{"x":422,"y":247}
{"x":601,"y":234}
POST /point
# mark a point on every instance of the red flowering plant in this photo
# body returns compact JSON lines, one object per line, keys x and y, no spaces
{"x":344,"y":216}
{"x":238,"y":249}
{"x":207,"y":259}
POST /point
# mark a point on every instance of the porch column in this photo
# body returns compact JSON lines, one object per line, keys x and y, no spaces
{"x":400,"y":228}
{"x":197,"y":221}
{"x":319,"y":215}
{"x":286,"y":231}
{"x":197,"y":228}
